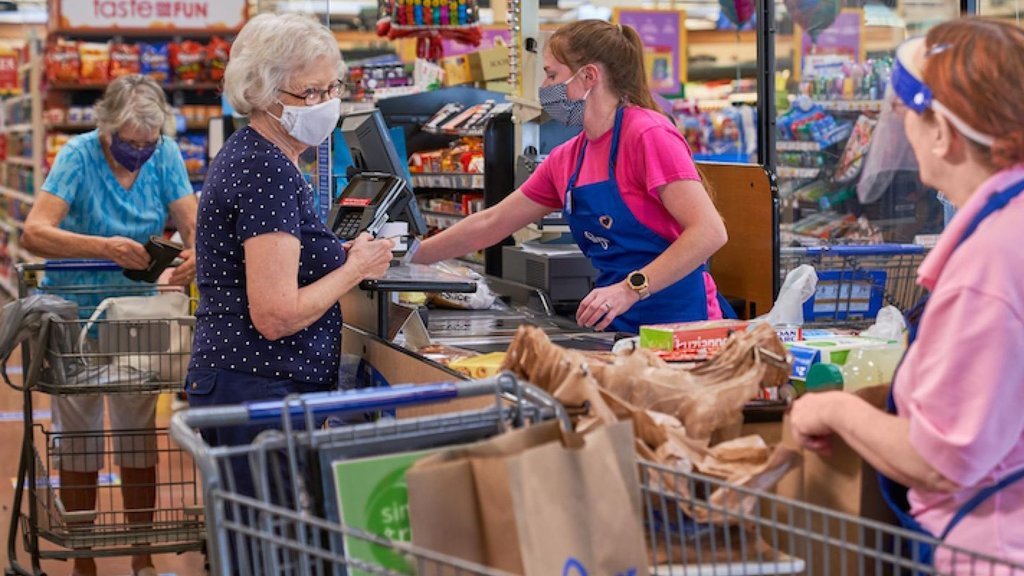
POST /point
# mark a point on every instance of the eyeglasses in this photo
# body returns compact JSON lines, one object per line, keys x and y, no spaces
{"x":312,"y":96}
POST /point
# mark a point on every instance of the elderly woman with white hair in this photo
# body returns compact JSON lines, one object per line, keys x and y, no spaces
{"x":107,"y":193}
{"x":270,"y":273}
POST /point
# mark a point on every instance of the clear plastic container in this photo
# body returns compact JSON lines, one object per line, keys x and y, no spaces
{"x":871,"y":366}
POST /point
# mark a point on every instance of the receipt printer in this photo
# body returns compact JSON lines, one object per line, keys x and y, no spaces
{"x":369,"y":202}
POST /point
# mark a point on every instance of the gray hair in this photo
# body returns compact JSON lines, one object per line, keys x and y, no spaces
{"x":134,"y":100}
{"x":265,"y":54}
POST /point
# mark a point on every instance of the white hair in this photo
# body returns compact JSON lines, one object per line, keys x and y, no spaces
{"x":134,"y":100}
{"x":267,"y":51}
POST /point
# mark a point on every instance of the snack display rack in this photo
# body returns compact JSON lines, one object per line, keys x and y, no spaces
{"x":22,"y":170}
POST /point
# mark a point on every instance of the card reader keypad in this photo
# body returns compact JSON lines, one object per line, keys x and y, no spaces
{"x":348,"y":227}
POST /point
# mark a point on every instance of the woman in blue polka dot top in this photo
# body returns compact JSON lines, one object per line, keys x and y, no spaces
{"x":270,"y":273}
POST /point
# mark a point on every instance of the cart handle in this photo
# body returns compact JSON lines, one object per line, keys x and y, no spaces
{"x":365,"y":400}
{"x":858,"y":250}
{"x":77,"y":265}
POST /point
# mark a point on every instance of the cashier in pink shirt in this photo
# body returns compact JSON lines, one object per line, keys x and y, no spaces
{"x":627,"y":186}
{"x":955,"y":432}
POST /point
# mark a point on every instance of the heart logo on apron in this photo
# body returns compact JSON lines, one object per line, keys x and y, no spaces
{"x":606,"y":221}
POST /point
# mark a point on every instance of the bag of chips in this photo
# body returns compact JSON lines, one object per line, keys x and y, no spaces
{"x":217,"y":57}
{"x":124,"y":60}
{"x":193,"y":151}
{"x":187,"y":60}
{"x":153,"y":62}
{"x":95,"y":61}
{"x":62,"y":62}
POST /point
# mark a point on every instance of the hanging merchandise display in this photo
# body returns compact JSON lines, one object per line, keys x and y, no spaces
{"x":814,"y":16}
{"x":430,"y":22}
{"x":739,"y":12}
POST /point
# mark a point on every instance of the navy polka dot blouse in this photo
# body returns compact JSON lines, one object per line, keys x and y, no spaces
{"x":251,"y":189}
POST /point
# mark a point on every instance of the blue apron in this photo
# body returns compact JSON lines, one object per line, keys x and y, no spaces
{"x":894,"y":493}
{"x":617,"y":244}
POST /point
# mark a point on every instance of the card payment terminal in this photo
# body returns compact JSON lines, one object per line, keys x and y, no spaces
{"x":371,"y":200}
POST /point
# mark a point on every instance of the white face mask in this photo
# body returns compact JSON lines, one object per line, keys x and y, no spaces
{"x":311,"y":124}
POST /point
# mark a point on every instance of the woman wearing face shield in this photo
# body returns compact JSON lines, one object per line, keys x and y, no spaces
{"x":626,"y":184}
{"x":270,"y":272}
{"x":109,"y":190}
{"x":954,"y":433}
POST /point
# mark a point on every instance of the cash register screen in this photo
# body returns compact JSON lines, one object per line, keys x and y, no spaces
{"x":362,"y":192}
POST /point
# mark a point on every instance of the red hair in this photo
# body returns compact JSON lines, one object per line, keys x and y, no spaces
{"x":975,"y":67}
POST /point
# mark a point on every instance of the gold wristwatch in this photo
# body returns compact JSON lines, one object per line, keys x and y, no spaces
{"x":638,"y":282}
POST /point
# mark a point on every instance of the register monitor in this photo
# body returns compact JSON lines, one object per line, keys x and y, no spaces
{"x":374,"y":156}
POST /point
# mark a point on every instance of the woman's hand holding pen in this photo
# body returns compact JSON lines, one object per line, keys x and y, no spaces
{"x":604,"y":305}
{"x":370,"y":257}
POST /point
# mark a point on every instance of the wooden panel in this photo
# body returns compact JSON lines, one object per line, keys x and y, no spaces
{"x":402,"y":367}
{"x":744,"y":267}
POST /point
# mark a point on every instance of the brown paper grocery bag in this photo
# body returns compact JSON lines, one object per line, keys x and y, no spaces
{"x":460,"y":502}
{"x":578,"y":508}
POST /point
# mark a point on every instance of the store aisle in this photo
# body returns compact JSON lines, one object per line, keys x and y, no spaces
{"x":11,"y":432}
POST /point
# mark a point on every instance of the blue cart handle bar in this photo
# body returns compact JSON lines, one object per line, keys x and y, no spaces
{"x":857,"y":250}
{"x":365,"y":400}
{"x":77,"y":265}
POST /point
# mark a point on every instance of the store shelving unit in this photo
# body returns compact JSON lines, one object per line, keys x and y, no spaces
{"x":21,"y":175}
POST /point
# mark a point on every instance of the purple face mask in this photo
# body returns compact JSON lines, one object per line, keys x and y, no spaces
{"x":128,"y":156}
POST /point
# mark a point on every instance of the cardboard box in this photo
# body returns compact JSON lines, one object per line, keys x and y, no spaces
{"x":490,"y":63}
{"x":503,"y":86}
{"x":696,"y":339}
{"x":457,"y":70}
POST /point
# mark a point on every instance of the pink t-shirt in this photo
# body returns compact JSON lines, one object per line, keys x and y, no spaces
{"x":652,"y":153}
{"x":962,"y":383}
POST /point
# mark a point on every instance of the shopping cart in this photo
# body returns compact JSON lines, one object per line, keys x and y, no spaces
{"x":855,"y":282}
{"x":740,"y":531}
{"x":73,"y":355}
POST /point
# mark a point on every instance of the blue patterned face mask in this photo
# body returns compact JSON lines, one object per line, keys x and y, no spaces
{"x":555,"y":101}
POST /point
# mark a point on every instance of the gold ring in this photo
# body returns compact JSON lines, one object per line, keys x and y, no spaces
{"x":607,"y":306}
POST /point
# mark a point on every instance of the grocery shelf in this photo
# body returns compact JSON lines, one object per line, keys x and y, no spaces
{"x":474,"y":133}
{"x":87,"y":126}
{"x":851,"y":105}
{"x":441,"y":214}
{"x":798,"y":173}
{"x":17,"y":99}
{"x":12,"y":128}
{"x":17,"y":195}
{"x":19,"y":161}
{"x":102,"y":86}
{"x":451,"y":181}
{"x":798,"y":146}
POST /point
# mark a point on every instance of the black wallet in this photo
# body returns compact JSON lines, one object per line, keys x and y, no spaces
{"x":161,"y":254}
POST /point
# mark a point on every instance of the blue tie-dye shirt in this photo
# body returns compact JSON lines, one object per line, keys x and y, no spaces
{"x":99,"y":206}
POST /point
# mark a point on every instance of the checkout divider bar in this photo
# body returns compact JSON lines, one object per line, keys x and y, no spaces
{"x":366,"y":400}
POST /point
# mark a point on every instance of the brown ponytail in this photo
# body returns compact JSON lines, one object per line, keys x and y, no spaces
{"x":618,"y":48}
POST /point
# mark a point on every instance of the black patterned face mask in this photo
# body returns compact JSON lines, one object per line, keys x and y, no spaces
{"x":555,"y":101}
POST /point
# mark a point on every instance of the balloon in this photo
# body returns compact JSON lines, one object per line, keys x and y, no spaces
{"x":814,"y":16}
{"x":738,"y":12}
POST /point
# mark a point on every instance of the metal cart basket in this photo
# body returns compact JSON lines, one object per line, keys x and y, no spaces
{"x":77,"y":350}
{"x":855,"y":282}
{"x":696,"y":525}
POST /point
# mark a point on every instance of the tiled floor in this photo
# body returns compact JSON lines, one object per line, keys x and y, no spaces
{"x":11,"y":431}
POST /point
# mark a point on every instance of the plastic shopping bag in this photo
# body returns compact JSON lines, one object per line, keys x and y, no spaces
{"x":798,"y":288}
{"x":889,"y":325}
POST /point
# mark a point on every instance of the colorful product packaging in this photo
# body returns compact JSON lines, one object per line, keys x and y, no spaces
{"x":154,"y":62}
{"x":689,"y":340}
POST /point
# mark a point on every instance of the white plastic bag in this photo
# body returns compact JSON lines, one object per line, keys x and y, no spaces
{"x":889,"y":325}
{"x":149,"y":333}
{"x":798,"y":288}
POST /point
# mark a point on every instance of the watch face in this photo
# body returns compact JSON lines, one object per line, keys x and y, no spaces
{"x":636,"y":280}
